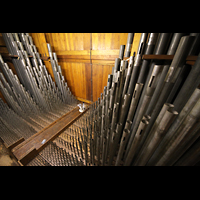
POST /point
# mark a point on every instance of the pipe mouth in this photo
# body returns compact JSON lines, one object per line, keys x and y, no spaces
{"x":147,"y":117}
{"x":170,"y":105}
{"x":145,"y":121}
{"x":174,"y":112}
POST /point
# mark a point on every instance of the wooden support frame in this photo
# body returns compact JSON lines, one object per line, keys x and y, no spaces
{"x":189,"y":60}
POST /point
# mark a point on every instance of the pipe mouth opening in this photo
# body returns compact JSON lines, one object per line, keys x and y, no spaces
{"x":170,"y":105}
{"x":145,"y":121}
{"x":175,"y":112}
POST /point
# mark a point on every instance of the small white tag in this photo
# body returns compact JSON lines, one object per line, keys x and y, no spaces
{"x":43,"y":141}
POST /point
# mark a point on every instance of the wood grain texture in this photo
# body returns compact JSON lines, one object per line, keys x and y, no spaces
{"x":100,"y":77}
{"x":78,"y":77}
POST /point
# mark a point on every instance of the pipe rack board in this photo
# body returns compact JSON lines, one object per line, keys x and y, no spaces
{"x":28,"y":149}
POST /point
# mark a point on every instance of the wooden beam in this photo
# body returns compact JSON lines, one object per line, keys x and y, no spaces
{"x":30,"y":148}
{"x":157,"y":57}
{"x":167,"y":57}
{"x":84,"y":100}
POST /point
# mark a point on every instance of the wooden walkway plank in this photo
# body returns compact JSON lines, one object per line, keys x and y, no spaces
{"x":28,"y":149}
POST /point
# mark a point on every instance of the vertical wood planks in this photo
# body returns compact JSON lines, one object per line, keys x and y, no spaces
{"x":100,"y":78}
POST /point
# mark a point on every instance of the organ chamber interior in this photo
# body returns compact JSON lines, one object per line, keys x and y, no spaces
{"x":91,"y":99}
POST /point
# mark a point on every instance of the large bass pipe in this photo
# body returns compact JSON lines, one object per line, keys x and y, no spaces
{"x":172,"y":130}
{"x":180,"y":135}
{"x":177,"y":62}
{"x":174,"y":70}
{"x":191,"y":156}
{"x":160,"y":48}
{"x":156,"y":95}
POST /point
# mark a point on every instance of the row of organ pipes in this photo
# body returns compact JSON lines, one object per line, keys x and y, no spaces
{"x":147,"y":115}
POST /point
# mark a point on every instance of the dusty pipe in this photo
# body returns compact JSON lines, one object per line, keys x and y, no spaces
{"x":160,"y":48}
{"x":190,"y":84}
{"x":177,"y":62}
{"x":121,"y":52}
{"x":190,"y":138}
{"x":166,"y":107}
{"x":189,"y":121}
{"x":150,"y":44}
{"x":147,"y":97}
{"x":172,"y":130}
{"x":136,"y":142}
{"x":114,"y":142}
{"x":191,"y":156}
{"x":159,"y":133}
{"x":129,"y":44}
{"x":128,"y":76}
{"x":136,"y":65}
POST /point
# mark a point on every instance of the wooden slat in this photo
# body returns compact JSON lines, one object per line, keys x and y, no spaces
{"x":73,"y":60}
{"x":167,"y":57}
{"x":103,"y":62}
{"x":77,"y":52}
{"x":157,"y":57}
{"x":30,"y":147}
{"x":191,"y":58}
{"x":84,"y":100}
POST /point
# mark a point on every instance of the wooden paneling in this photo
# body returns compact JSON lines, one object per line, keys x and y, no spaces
{"x":108,"y":41}
{"x":68,"y":41}
{"x":78,"y":77}
{"x":99,"y":78}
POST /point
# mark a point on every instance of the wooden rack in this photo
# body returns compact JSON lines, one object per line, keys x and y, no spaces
{"x":189,"y":60}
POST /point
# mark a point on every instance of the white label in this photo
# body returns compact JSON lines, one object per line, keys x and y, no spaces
{"x":43,"y":141}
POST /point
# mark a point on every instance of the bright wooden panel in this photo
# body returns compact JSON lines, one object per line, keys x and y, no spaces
{"x":78,"y":77}
{"x":106,"y":41}
{"x":99,"y":78}
{"x":40,"y":42}
{"x":68,"y":41}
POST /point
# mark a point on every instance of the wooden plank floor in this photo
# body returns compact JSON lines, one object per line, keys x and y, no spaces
{"x":28,"y":149}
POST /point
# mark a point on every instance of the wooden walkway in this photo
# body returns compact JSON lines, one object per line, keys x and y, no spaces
{"x":28,"y":149}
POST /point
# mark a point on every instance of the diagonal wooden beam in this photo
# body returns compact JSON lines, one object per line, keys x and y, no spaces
{"x":30,"y":148}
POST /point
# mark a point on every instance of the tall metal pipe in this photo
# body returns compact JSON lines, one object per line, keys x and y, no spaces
{"x":189,"y":121}
{"x":172,"y":130}
{"x":159,"y":133}
{"x":129,"y":44}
